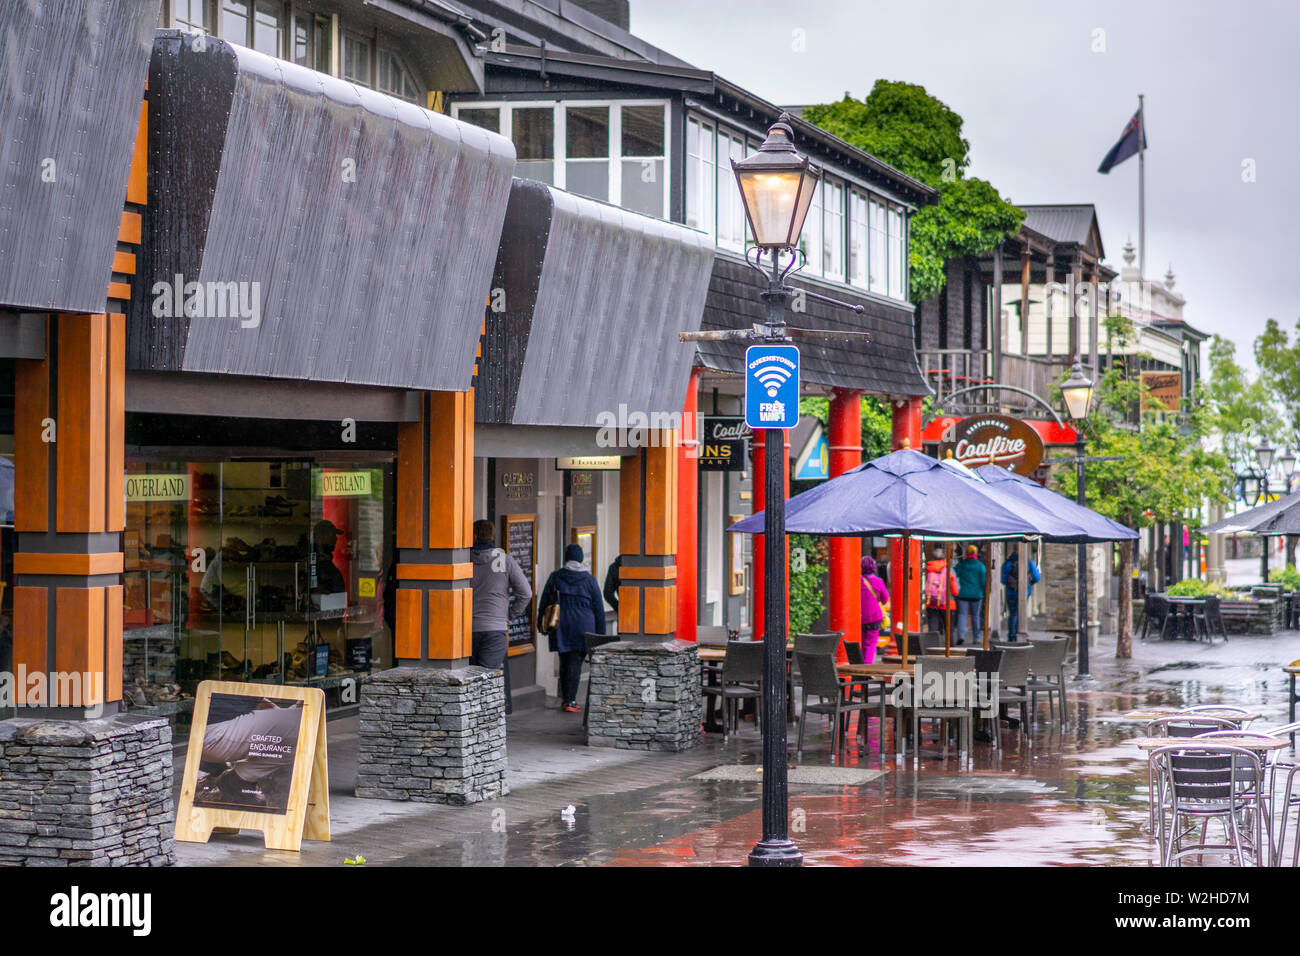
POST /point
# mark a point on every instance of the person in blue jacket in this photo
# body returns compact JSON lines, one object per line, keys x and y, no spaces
{"x":582,"y":612}
{"x":1010,"y":579}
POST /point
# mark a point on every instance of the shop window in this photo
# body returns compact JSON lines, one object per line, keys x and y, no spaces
{"x":396,"y":79}
{"x":586,"y":169}
{"x":533,"y":132}
{"x":356,"y":59}
{"x":643,"y":159}
{"x":489,"y":119}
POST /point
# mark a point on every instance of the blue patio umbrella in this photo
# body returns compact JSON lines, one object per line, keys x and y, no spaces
{"x":1088,"y":526}
{"x":909,"y":494}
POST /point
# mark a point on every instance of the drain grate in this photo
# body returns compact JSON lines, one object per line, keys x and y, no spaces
{"x":814,"y":776}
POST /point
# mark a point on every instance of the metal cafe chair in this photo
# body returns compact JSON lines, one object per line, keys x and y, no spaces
{"x":986,"y":672}
{"x":741,"y":678}
{"x":1177,"y":725}
{"x":1268,"y":774}
{"x":957,"y":705}
{"x":835,"y":697}
{"x":1237,"y":715}
{"x":1047,"y":674}
{"x":1203,"y":781}
{"x":1013,"y":675}
{"x":1290,"y":798}
{"x":1157,"y":612}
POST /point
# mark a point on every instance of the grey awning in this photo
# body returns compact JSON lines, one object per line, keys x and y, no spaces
{"x":594,"y":297}
{"x":73,"y":76}
{"x":359,"y":228}
{"x":886,"y":366}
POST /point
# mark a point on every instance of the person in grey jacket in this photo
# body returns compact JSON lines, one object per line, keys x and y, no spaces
{"x":501,"y":591}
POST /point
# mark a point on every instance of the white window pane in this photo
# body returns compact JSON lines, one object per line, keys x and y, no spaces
{"x":877,"y":237}
{"x":858,"y":240}
{"x":588,"y":178}
{"x":810,"y":240}
{"x":643,"y":186}
{"x":266,"y":29}
{"x":586,"y":133}
{"x":488,"y":118}
{"x":833,"y":230}
{"x":896,"y":254}
{"x":234,"y":21}
{"x":533,"y":130}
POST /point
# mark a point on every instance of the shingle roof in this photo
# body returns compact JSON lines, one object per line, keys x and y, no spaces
{"x":1070,"y":223}
{"x":886,"y":366}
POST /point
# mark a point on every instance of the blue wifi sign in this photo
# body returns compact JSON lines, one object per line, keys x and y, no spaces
{"x":772,"y":386}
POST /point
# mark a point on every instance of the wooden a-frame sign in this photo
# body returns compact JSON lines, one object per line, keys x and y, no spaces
{"x":275,"y":777}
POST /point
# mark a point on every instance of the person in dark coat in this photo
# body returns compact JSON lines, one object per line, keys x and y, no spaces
{"x":581,"y":612}
{"x":611,"y":582}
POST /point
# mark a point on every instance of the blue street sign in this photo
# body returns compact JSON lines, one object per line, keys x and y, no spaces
{"x":771,"y":386}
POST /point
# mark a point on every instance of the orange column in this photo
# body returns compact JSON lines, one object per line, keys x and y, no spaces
{"x":688,"y":516}
{"x":69,"y":510}
{"x":906,"y":434}
{"x":846,"y":553}
{"x":648,"y":539}
{"x":435,"y":494}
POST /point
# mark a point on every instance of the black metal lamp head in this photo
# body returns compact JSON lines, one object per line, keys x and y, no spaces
{"x":776,"y":187}
{"x":1287,"y":464}
{"x":1077,"y":392}
{"x":1264,"y":454}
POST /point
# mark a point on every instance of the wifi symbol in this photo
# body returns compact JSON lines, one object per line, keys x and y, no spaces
{"x":772,"y":377}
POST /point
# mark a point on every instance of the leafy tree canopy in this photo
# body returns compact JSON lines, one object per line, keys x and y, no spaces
{"x":1279,"y":369}
{"x":1239,"y":409}
{"x":903,"y":125}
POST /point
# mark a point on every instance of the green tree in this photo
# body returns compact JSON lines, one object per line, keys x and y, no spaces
{"x":1278,"y":359}
{"x":1161,"y":473}
{"x":903,"y":125}
{"x":877,"y":422}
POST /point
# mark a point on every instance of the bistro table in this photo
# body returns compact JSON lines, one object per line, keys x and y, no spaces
{"x":1245,"y":741}
{"x":1228,"y":713}
{"x":1184,"y":610}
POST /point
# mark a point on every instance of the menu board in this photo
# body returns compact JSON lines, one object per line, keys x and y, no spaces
{"x":519,"y":534}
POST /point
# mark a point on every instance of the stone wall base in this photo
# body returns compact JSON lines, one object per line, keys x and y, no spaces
{"x":86,"y":793}
{"x":645,"y":695}
{"x":433,"y":735}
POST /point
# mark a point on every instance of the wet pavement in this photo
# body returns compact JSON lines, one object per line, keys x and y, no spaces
{"x":1072,"y":795}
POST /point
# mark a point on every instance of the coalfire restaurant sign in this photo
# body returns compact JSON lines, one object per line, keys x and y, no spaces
{"x":994,"y":439}
{"x":722,"y":443}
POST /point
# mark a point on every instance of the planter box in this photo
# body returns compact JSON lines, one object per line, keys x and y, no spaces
{"x":1263,"y":616}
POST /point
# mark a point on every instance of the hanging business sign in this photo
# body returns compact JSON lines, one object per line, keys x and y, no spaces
{"x":994,"y":440}
{"x":1165,"y":387}
{"x":772,"y":386}
{"x":157,"y":487}
{"x":589,"y":463}
{"x":722,"y":443}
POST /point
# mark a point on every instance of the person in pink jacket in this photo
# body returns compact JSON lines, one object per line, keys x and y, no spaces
{"x":875,"y":596}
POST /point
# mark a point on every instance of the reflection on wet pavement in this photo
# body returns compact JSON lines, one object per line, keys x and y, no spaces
{"x":1075,"y":795}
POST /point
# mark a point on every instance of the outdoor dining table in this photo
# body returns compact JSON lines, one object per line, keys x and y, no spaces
{"x":1228,"y":713}
{"x":1245,"y":741}
{"x":1184,"y":609}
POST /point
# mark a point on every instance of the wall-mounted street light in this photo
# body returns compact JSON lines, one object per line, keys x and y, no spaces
{"x":1077,"y":391}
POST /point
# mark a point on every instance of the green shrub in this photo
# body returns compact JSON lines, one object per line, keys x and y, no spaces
{"x":809,"y":559}
{"x":1188,"y":587}
{"x":1289,"y":577}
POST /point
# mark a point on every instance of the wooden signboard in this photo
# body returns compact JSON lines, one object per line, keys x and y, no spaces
{"x":256,"y":761}
{"x":1166,"y":388}
{"x":994,"y":440}
{"x":519,"y":537}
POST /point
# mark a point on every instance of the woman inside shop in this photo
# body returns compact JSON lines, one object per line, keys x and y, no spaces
{"x":581,"y":612}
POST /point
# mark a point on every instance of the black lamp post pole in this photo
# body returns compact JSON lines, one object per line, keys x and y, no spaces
{"x":776,"y":848}
{"x":1082,"y":499}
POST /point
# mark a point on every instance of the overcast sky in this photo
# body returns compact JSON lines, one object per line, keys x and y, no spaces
{"x":1222,"y":85}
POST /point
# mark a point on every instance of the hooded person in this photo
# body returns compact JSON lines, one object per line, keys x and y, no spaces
{"x":582,"y":612}
{"x":875,"y":598}
{"x":501,"y":592}
{"x":971,"y":577}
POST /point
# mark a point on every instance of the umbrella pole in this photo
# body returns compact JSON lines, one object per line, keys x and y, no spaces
{"x":907,"y":571}
{"x":947,"y":600}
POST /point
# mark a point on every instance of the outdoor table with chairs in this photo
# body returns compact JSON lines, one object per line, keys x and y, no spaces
{"x":1203,"y":765}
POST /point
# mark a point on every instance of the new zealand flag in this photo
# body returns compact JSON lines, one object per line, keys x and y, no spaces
{"x":1127,"y":145}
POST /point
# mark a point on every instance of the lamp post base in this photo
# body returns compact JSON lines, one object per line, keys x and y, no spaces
{"x":775,"y":853}
{"x":1083,"y":678}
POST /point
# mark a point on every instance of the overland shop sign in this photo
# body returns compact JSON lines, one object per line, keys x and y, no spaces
{"x":994,"y":439}
{"x":722,"y":443}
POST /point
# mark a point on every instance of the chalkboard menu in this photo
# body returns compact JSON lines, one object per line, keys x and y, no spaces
{"x":519,"y":534}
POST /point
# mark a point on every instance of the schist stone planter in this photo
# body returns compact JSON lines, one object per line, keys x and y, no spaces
{"x":645,"y":695}
{"x":86,"y":792}
{"x":1260,"y":616}
{"x":436,"y":735}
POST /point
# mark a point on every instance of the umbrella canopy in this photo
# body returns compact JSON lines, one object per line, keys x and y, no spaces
{"x":904,"y":492}
{"x":1075,"y":523}
{"x":1276,"y":517}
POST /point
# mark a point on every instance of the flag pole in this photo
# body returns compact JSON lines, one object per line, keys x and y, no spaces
{"x":1142,"y":199}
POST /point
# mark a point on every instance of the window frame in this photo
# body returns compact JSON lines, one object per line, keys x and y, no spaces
{"x":421,"y":94}
{"x":505,"y":125}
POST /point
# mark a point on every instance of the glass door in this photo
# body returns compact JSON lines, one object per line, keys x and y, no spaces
{"x":265,"y":509}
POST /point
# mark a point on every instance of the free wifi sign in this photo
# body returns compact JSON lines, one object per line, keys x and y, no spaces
{"x":772,"y":386}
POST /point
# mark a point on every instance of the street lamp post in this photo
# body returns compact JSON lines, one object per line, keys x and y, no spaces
{"x":1077,"y":392}
{"x":1264,"y":456}
{"x":776,"y":188}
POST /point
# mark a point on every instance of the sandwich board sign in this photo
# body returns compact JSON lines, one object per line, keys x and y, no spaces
{"x":771,"y":386}
{"x":256,"y":761}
